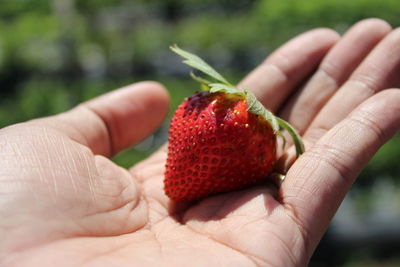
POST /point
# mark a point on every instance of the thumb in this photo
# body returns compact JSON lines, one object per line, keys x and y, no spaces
{"x":114,"y":121}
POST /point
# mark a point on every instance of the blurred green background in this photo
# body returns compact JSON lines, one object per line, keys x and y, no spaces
{"x":55,"y":54}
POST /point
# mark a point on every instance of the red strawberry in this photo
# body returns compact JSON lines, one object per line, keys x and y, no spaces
{"x":220,"y":140}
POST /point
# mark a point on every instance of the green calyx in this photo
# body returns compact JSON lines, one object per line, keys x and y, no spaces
{"x":218,"y":84}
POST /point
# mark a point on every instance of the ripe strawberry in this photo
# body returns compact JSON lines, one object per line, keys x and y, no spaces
{"x":220,"y":139}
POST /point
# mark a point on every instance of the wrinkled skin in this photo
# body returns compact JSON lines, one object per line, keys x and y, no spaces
{"x":64,"y":203}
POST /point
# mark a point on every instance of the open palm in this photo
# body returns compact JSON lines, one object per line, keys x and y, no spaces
{"x":64,"y":203}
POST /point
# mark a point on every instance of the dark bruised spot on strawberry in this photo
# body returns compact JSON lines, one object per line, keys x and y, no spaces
{"x":220,"y":139}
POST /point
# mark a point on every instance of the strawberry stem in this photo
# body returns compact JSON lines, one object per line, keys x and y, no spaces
{"x":298,"y":143}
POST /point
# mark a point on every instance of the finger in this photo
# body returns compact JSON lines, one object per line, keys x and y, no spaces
{"x":317,"y":182}
{"x":378,"y":71}
{"x":114,"y":121}
{"x":281,"y":72}
{"x":336,"y":67}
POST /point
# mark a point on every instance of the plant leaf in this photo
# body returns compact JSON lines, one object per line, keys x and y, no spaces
{"x":199,"y":64}
{"x":255,"y":106}
{"x":221,"y":87}
{"x":199,"y":79}
{"x":203,"y":82}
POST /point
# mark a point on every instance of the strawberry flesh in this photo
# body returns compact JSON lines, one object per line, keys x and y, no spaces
{"x":216,"y":145}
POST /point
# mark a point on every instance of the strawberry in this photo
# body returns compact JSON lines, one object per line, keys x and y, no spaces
{"x":220,"y":139}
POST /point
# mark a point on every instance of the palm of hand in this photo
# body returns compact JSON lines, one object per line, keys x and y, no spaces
{"x":97,"y":213}
{"x":72,"y":206}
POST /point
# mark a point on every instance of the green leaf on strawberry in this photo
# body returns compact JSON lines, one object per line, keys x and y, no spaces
{"x":197,"y":63}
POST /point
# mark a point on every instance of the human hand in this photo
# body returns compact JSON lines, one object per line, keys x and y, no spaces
{"x":62,"y":201}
